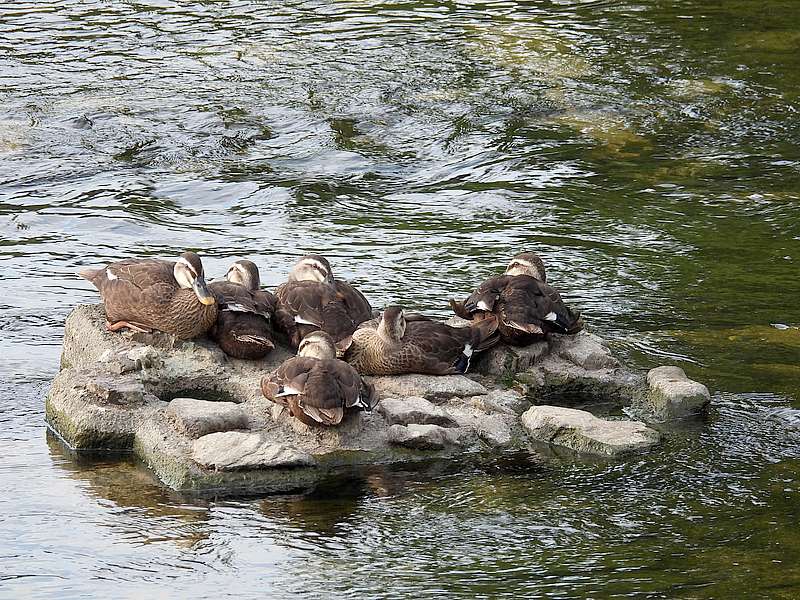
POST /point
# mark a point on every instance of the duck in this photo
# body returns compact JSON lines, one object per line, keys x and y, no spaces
{"x":401,"y":342}
{"x":244,"y":320}
{"x":151,"y":294}
{"x":527,"y":308}
{"x":313,"y":299}
{"x":318,"y":388}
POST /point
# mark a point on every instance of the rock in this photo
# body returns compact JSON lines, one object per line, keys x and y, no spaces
{"x":583,"y":432}
{"x":405,"y":411}
{"x":421,"y":437}
{"x":504,"y":359}
{"x":117,"y":390}
{"x":196,"y":418}
{"x":432,"y":387}
{"x":673,"y":395}
{"x":233,"y":450}
{"x":584,"y":350}
{"x":509,"y":402}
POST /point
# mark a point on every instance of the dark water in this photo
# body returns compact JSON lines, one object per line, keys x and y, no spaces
{"x":650,"y":153}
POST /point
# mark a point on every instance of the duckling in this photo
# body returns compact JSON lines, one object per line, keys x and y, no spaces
{"x":526,"y":307}
{"x":147,"y":294}
{"x":406,"y":343}
{"x":312,"y":299}
{"x":317,"y":387}
{"x":244,"y":321}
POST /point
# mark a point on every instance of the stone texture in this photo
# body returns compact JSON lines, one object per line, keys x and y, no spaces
{"x":196,"y":418}
{"x":234,"y":450}
{"x":584,"y":350}
{"x":114,"y":388}
{"x":432,"y":387}
{"x":504,"y":359}
{"x":405,"y":411}
{"x":583,"y":432}
{"x":509,"y":402}
{"x":673,"y":395}
{"x":421,"y":437}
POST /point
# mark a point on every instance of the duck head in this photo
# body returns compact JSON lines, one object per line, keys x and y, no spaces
{"x":317,"y":344}
{"x":244,"y":273}
{"x":393,"y":324}
{"x":527,"y":263}
{"x":188,"y":272}
{"x":312,"y":268}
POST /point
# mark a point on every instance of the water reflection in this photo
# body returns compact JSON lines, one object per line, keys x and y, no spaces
{"x":649,"y":151}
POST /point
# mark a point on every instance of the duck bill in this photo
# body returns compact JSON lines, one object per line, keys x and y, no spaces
{"x":202,"y":292}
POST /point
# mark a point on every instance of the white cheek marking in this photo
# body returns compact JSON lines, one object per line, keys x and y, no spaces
{"x":483,"y":306}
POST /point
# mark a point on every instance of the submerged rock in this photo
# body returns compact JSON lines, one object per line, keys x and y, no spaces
{"x":674,"y":395}
{"x":198,"y":420}
{"x":583,"y":432}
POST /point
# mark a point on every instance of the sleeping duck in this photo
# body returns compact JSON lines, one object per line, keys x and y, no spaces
{"x":526,"y":307}
{"x":316,"y":386}
{"x":406,"y":343}
{"x":244,"y":322}
{"x":312,"y":299}
{"x":148,"y":294}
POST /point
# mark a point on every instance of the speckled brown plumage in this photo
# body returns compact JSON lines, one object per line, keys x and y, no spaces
{"x":425,"y":346}
{"x":325,"y":388}
{"x":145,"y":292}
{"x":522,"y":305}
{"x":244,"y":324}
{"x":336,"y":309}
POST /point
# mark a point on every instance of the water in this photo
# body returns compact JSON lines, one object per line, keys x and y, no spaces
{"x":650,"y":153}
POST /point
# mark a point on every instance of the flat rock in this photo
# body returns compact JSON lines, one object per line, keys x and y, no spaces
{"x":583,"y":432}
{"x":421,"y":437}
{"x":432,"y":387}
{"x":234,"y":450}
{"x":509,"y":402}
{"x":505,"y":359}
{"x":674,"y":395}
{"x":405,"y":411}
{"x":584,"y":350}
{"x":196,"y":418}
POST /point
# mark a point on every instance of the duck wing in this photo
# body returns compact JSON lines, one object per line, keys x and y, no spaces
{"x":237,"y":298}
{"x":433,"y":347}
{"x":527,"y":304}
{"x":358,"y":307}
{"x":483,"y":298}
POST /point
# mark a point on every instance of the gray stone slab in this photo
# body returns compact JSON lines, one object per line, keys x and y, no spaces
{"x":583,"y":432}
{"x":235,"y":450}
{"x":673,"y":395}
{"x":422,"y":437}
{"x":196,"y":418}
{"x":431,"y":387}
{"x":413,"y":409}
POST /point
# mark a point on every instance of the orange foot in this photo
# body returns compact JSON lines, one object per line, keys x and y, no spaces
{"x":132,"y":326}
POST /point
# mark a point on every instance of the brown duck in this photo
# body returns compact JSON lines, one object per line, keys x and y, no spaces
{"x":244,"y":322}
{"x":415,"y":344}
{"x":149,"y":294}
{"x":312,"y":299}
{"x":526,"y":307}
{"x":317,"y":387}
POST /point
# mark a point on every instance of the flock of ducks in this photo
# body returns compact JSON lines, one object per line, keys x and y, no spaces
{"x":332,"y":326}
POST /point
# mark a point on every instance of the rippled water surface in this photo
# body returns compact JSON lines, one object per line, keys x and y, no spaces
{"x":649,"y":151}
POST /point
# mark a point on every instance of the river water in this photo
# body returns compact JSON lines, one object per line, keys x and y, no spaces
{"x":649,"y":151}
